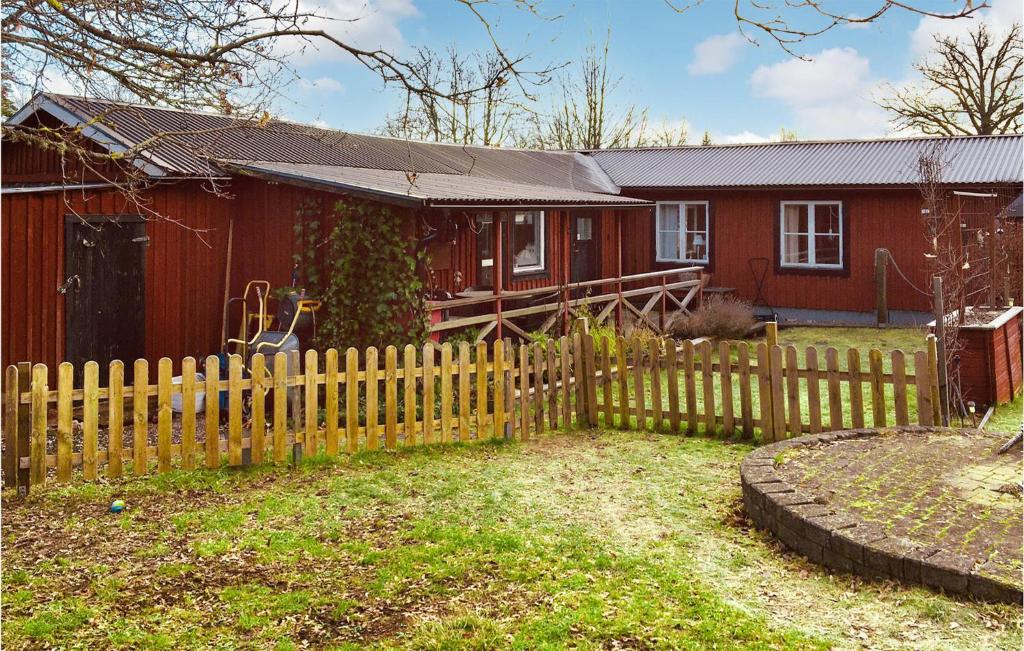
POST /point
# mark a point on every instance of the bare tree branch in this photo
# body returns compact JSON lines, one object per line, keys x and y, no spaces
{"x":969,"y":88}
{"x":791,"y":22}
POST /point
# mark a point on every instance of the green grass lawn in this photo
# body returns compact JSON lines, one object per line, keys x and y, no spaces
{"x":585,"y":540}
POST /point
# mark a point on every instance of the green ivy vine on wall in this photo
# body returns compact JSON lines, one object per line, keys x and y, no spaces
{"x":356,"y":259}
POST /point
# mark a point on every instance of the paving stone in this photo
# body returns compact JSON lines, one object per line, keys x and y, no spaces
{"x":911,"y":503}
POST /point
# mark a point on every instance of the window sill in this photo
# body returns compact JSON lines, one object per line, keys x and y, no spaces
{"x":689,"y":262}
{"x":538,"y":274}
{"x":810,"y":271}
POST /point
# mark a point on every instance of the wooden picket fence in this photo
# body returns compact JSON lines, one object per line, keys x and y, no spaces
{"x":277,"y":411}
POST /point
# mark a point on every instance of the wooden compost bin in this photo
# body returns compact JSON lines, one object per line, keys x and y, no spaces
{"x":991,"y":359}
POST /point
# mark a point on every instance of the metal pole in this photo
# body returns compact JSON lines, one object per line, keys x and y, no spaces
{"x":618,"y":272}
{"x":939,"y":313}
{"x":499,"y":264}
{"x":881,"y":304}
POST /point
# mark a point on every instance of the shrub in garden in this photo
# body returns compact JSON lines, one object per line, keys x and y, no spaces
{"x":721,"y":317}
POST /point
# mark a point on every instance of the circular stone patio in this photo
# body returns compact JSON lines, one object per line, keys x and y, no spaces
{"x":920,"y":505}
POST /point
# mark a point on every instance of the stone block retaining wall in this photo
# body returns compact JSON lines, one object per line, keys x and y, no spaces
{"x":844,"y":543}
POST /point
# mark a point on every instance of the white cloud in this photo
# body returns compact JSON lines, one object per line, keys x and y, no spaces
{"x":366,"y":24}
{"x":741,"y":137}
{"x":998,"y":17}
{"x":829,"y":95}
{"x":321,"y":84}
{"x":716,"y":54}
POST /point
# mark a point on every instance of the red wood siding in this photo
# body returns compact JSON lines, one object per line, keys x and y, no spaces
{"x":743,"y":227}
{"x":991,"y":363}
{"x":25,"y":163}
{"x":184,"y":270}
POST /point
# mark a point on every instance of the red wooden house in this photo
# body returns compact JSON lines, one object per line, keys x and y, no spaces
{"x":512,"y":234}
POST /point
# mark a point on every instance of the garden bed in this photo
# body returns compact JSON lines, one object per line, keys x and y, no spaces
{"x":991,"y":371}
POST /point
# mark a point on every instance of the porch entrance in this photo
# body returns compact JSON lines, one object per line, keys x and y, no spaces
{"x":104,"y":286}
{"x":583,"y":259}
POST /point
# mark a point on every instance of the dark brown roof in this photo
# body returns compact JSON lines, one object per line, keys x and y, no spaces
{"x":210,"y":139}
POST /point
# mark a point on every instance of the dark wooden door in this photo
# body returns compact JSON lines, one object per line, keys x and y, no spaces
{"x":584,"y":257}
{"x":105,"y":269}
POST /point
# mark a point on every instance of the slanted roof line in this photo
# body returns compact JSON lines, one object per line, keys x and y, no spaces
{"x":95,"y":132}
{"x":348,"y":188}
{"x":430,"y":188}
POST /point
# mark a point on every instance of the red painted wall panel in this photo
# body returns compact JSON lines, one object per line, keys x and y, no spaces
{"x":184,"y":270}
{"x":744,"y":228}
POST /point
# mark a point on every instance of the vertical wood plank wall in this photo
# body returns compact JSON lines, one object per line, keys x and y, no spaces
{"x":184,"y":270}
{"x":743,"y":226}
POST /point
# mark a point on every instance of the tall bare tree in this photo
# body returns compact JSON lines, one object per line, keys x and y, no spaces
{"x":479,"y":106}
{"x":970,"y":87}
{"x":584,"y":114}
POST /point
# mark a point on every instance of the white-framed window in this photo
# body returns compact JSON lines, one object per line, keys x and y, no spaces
{"x":811,"y":234}
{"x":682,"y":231}
{"x":528,"y":241}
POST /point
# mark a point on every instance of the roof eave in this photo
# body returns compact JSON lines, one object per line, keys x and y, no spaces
{"x":492,"y":205}
{"x":150,"y":165}
{"x":404,"y":201}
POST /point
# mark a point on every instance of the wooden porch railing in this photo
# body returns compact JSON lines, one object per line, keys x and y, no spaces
{"x":659,"y":292}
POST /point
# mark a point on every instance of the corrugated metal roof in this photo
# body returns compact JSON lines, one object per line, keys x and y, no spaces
{"x":969,"y":159}
{"x":428,"y":188}
{"x":211,"y":137}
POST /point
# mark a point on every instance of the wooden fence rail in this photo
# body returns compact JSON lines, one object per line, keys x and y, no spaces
{"x":279,"y":408}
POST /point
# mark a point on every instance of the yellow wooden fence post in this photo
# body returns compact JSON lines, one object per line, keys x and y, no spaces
{"x":933,"y":377}
{"x":115,"y":419}
{"x":257,"y":397}
{"x":352,"y":400}
{"x":90,"y":418}
{"x":372,"y":399}
{"x":188,"y":413}
{"x":235,"y":410}
{"x":140,"y":417}
{"x":65,"y":386}
{"x":212,"y":411}
{"x":331,"y":381}
{"x":164,"y":414}
{"x":40,"y":400}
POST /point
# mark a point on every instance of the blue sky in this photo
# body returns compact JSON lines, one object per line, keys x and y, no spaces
{"x":692,"y":67}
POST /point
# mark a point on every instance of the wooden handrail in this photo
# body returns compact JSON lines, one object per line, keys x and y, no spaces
{"x":462,"y":322}
{"x":583,"y":284}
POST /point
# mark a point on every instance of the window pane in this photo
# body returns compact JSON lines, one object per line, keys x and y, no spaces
{"x":696,"y":218}
{"x":584,"y":228}
{"x":526,"y":239}
{"x":795,"y":218}
{"x":826,"y":249}
{"x":668,"y":245}
{"x":484,"y":236}
{"x":696,"y":246}
{"x":794,"y":249}
{"x":826,"y":219}
{"x":668,"y":217}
